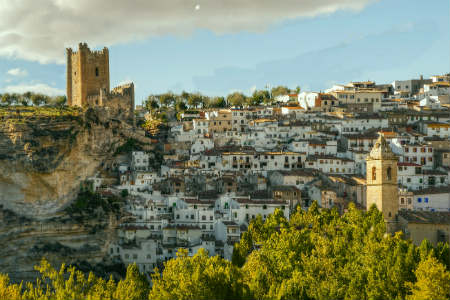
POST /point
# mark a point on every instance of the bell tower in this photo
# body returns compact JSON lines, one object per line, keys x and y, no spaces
{"x":381,"y":182}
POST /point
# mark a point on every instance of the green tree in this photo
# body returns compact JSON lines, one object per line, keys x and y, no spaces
{"x":151,"y":104}
{"x":124,"y":193}
{"x":167,"y":99}
{"x":7,"y":99}
{"x":180,"y":105}
{"x":279,"y":91}
{"x":134,"y":287}
{"x":196,"y":100}
{"x":433,"y":281}
{"x":242,"y":249}
{"x":38,"y":99}
{"x":28,"y":96}
{"x":198,"y":277}
{"x":59,"y":101}
{"x":16,"y":99}
{"x":218,"y":102}
{"x":185,"y":96}
{"x":259,"y":97}
{"x":236,"y":99}
{"x":9,"y":291}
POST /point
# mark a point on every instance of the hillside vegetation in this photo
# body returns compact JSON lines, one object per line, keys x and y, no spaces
{"x":317,"y":254}
{"x":25,"y":112}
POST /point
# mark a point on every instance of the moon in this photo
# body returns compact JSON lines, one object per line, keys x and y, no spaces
{"x":197,"y":7}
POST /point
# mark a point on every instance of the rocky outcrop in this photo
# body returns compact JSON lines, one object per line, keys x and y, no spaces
{"x":44,"y":159}
{"x":61,"y":239}
{"x":45,"y":156}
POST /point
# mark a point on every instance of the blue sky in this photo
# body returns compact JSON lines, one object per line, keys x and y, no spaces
{"x":383,"y":41}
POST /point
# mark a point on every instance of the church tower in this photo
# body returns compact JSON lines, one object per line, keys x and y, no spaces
{"x":381,"y":181}
{"x":87,"y":74}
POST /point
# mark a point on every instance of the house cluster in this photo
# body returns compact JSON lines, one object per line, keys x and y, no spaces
{"x":221,"y":168}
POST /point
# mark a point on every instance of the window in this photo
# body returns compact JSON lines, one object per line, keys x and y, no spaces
{"x":426,"y":200}
{"x":149,"y":256}
{"x":96,"y":72}
{"x":419,"y":200}
{"x":374,"y":173}
{"x":388,"y":173}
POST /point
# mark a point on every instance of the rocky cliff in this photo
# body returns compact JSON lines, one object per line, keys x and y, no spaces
{"x":45,"y":156}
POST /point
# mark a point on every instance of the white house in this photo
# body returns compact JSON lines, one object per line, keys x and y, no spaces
{"x":330,"y":164}
{"x":139,"y":161}
{"x":432,"y":199}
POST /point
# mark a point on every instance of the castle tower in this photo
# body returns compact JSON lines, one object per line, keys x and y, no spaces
{"x":87,"y":73}
{"x":381,"y":178}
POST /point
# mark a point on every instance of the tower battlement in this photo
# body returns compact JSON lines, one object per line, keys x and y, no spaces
{"x":88,"y":81}
{"x":87,"y":73}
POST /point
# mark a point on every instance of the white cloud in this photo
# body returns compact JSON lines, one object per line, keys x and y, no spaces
{"x":17,"y":72}
{"x":36,"y":88}
{"x":40,"y":30}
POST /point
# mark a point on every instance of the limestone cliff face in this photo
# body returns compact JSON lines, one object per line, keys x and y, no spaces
{"x":61,"y":239}
{"x":43,"y":159}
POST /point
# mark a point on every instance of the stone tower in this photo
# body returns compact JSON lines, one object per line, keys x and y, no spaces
{"x":87,"y":74}
{"x":381,"y":178}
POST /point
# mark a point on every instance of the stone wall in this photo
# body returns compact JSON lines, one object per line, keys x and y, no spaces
{"x":87,"y":73}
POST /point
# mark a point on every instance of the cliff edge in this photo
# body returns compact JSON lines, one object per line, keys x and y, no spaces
{"x":46,"y":153}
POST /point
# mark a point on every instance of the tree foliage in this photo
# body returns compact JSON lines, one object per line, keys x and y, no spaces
{"x":198,"y":277}
{"x":236,"y":99}
{"x":316,"y":254}
{"x":433,"y":281}
{"x":30,"y":98}
{"x":280,"y":91}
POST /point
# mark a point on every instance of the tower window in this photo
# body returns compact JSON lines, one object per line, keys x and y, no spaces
{"x":96,"y":72}
{"x":374,"y":173}
{"x":389,"y":173}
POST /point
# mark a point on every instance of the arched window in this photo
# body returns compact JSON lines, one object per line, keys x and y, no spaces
{"x":389,"y":173}
{"x":96,"y":72}
{"x":374,"y":173}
